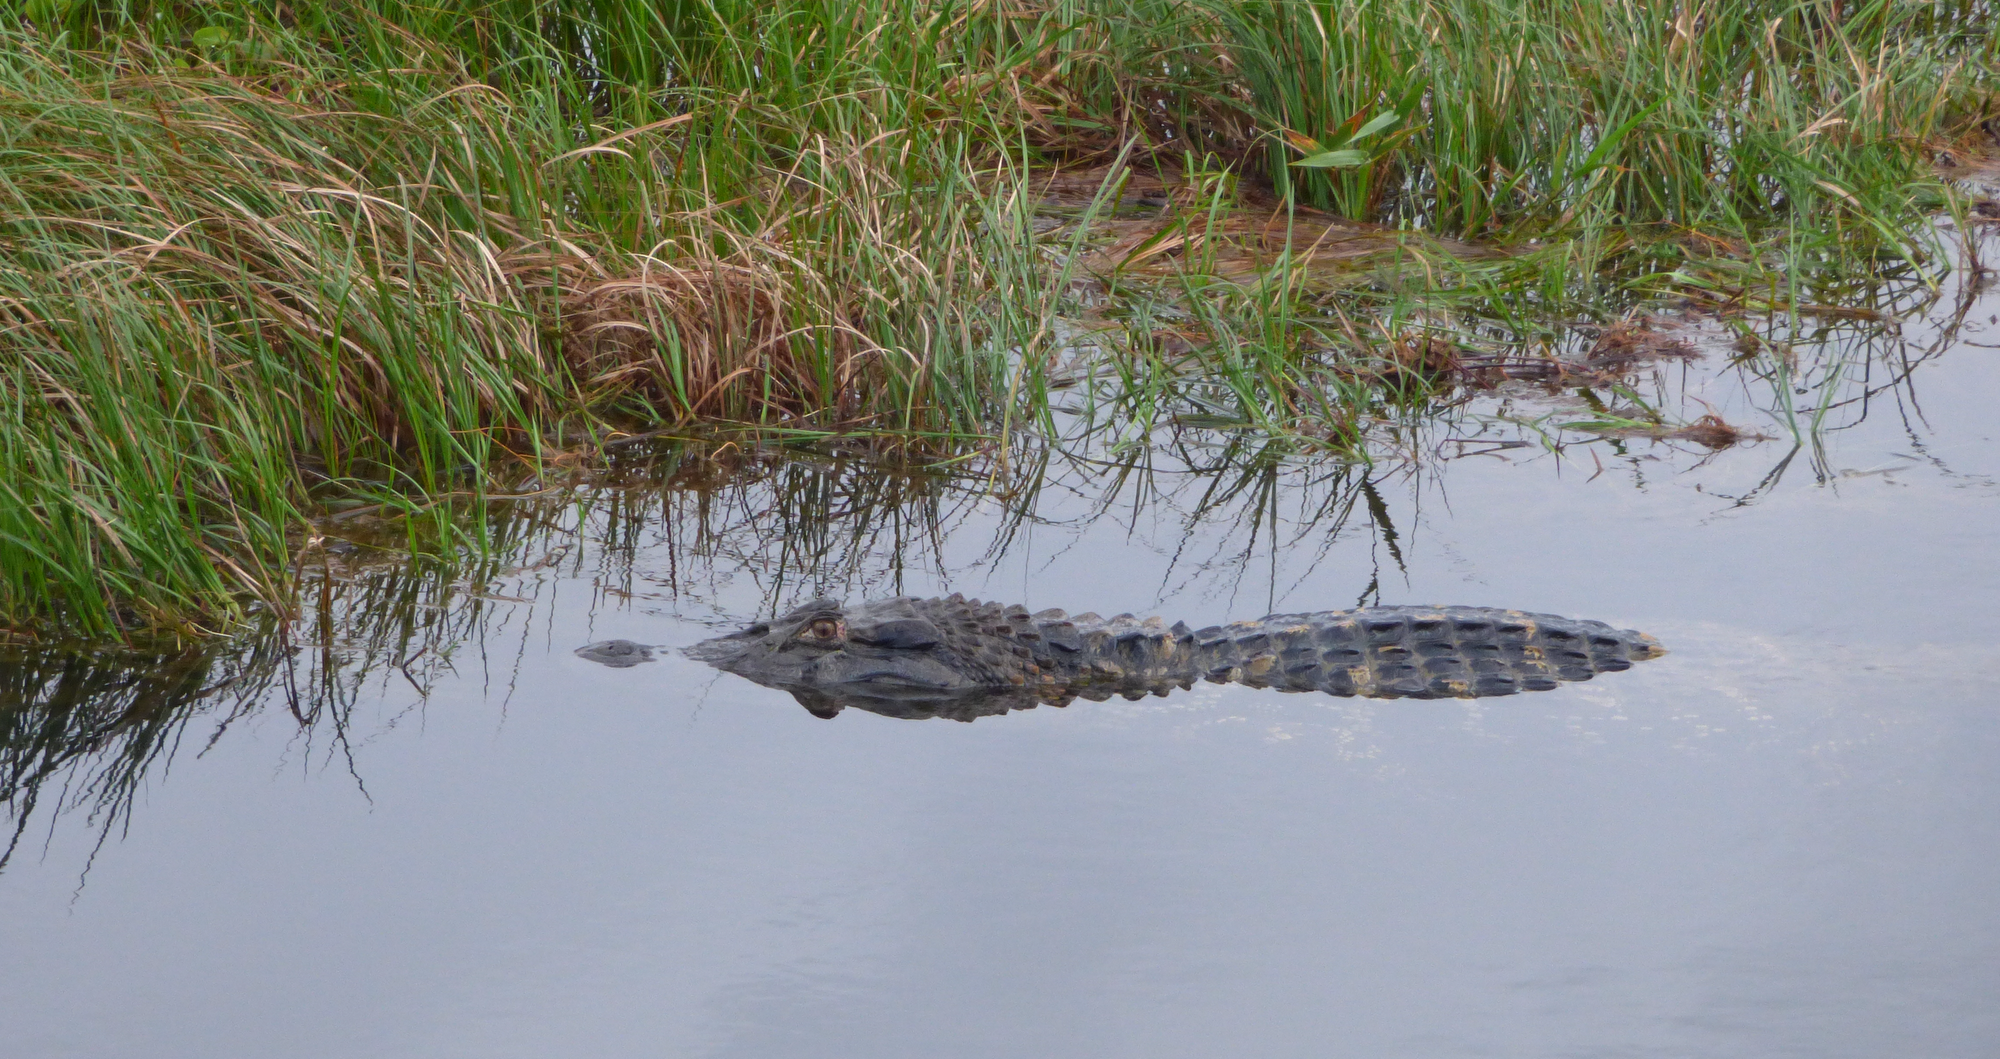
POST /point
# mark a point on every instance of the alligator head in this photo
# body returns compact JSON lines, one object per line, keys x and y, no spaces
{"x":903,"y":657}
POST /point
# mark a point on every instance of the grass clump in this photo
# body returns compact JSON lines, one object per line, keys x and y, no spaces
{"x":1529,"y":118}
{"x":258,"y":257}
{"x":224,"y":293}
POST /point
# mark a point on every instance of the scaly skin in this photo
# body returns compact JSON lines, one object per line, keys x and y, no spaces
{"x":961,"y":658}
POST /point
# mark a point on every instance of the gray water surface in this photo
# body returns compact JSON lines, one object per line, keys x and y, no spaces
{"x":1783,"y":839}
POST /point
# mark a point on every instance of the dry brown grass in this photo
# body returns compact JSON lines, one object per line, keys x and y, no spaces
{"x":712,"y":339}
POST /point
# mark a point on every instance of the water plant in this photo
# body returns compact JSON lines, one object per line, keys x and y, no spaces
{"x":258,"y":259}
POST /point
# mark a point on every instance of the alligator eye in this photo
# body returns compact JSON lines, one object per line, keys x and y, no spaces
{"x":824,"y":629}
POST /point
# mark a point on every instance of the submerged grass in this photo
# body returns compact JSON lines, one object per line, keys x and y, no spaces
{"x":257,"y":258}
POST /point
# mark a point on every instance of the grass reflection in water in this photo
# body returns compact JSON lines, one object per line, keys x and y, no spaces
{"x":726,"y":534}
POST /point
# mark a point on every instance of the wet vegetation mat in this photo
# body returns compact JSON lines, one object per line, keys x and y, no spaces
{"x":267,"y":270}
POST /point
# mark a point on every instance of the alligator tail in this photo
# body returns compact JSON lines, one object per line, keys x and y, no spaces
{"x":1415,"y":652}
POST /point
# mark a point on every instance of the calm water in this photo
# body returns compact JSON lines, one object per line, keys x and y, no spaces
{"x":1783,"y":839}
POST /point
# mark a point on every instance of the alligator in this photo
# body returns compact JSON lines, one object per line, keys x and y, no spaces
{"x":961,"y":658}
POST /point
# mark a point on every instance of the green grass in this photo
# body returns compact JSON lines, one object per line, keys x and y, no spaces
{"x":257,"y":258}
{"x":1520,"y":118}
